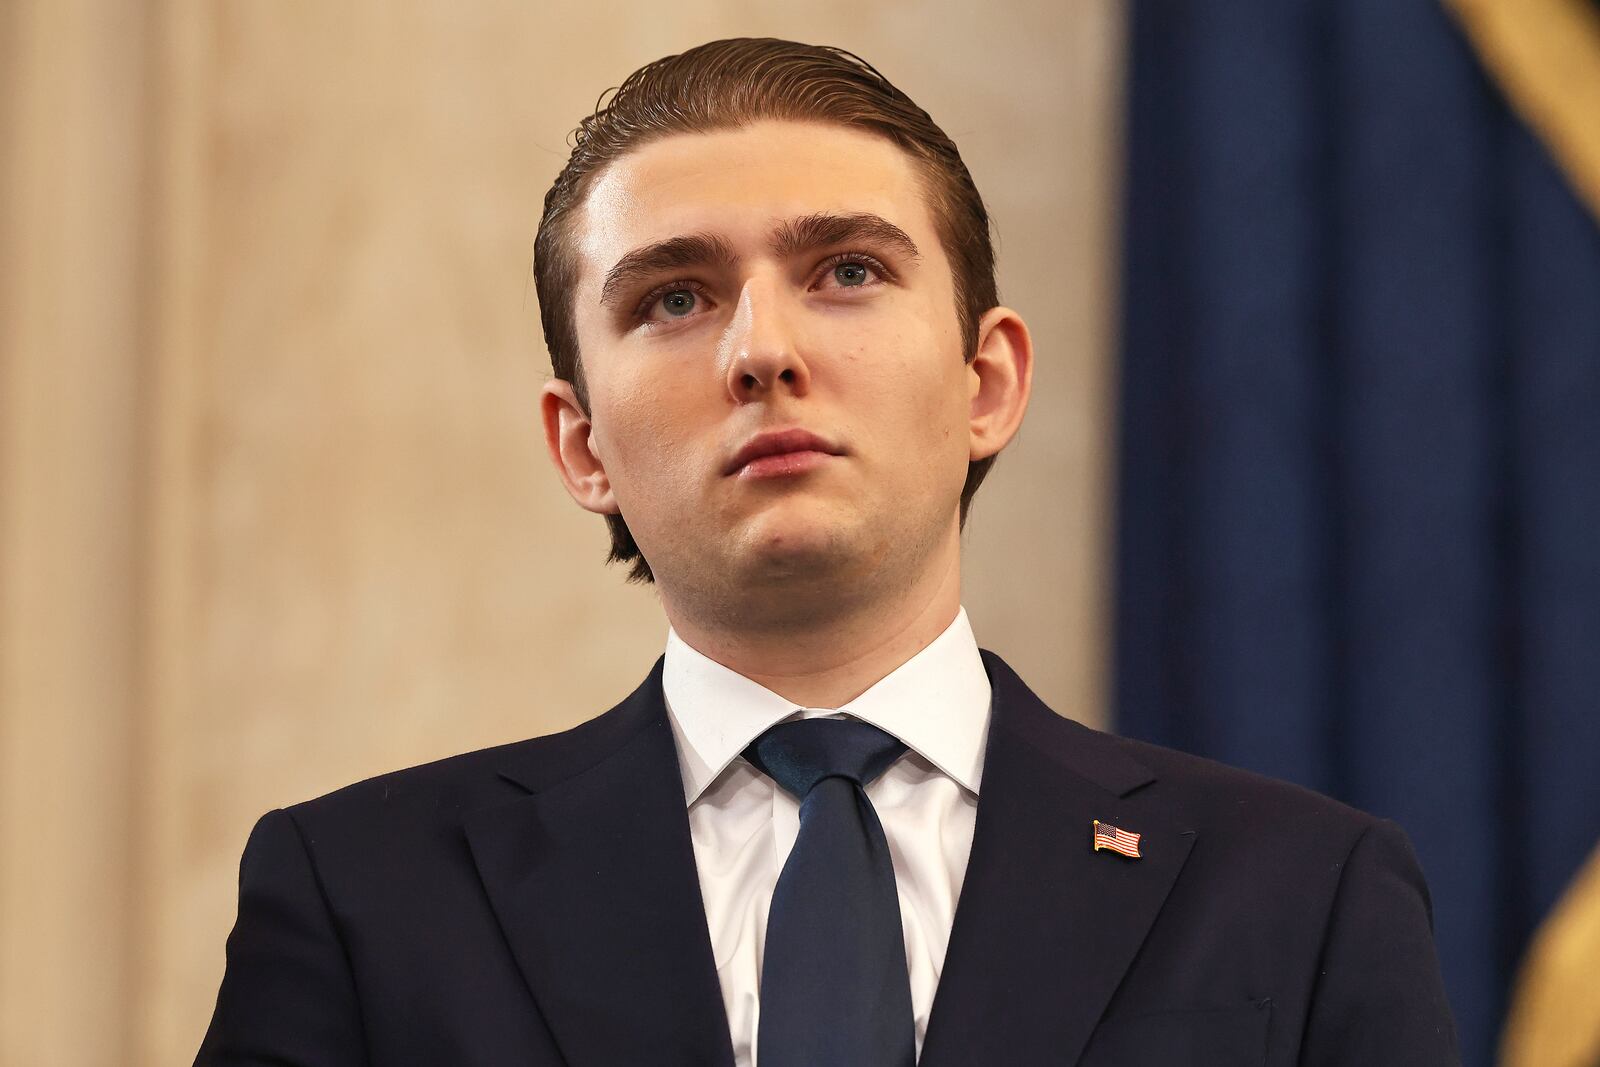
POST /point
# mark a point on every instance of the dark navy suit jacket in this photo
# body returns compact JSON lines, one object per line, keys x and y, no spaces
{"x":537,"y":905}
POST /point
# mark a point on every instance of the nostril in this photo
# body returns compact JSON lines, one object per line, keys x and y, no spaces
{"x":748,"y":381}
{"x":787,"y":375}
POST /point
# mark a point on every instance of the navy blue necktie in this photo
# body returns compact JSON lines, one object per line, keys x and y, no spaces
{"x":834,"y":986}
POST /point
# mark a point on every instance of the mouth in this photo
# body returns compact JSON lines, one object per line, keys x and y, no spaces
{"x":779,"y":453}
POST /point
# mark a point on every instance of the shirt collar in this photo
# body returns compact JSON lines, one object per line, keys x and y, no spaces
{"x":937,"y":702}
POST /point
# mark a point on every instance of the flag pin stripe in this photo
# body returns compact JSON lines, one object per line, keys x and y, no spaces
{"x":1116,"y":840}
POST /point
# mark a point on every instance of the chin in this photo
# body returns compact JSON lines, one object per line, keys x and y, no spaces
{"x":798,"y":551}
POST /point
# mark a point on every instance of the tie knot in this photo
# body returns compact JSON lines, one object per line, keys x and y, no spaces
{"x":797,"y":755}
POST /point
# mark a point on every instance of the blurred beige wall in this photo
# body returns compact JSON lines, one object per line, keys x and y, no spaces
{"x":274,"y":510}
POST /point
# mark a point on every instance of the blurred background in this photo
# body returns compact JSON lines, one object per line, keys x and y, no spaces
{"x":1309,"y":483}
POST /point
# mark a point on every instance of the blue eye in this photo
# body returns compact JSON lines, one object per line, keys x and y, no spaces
{"x":678,"y":303}
{"x":850,"y":274}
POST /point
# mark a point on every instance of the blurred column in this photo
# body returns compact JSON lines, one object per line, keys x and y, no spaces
{"x":72,"y":130}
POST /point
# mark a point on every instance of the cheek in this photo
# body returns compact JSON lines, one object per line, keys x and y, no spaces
{"x":922,"y":366}
{"x":645,"y":433}
{"x":908,"y":389}
{"x":623,"y":421}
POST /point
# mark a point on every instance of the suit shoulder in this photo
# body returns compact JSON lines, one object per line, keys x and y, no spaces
{"x":436,"y":778}
{"x":1207,"y":795}
{"x":471,"y":779}
{"x":1216,"y":796}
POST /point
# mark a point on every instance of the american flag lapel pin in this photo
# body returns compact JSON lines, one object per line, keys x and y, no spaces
{"x":1108,"y":836}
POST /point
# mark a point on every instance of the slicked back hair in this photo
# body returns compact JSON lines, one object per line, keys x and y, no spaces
{"x":727,"y":85}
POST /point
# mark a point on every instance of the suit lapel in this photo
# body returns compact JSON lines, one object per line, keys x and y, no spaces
{"x":592,"y":878}
{"x":1045,"y":927}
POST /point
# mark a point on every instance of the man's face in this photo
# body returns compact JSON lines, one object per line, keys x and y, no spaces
{"x":782,"y":276}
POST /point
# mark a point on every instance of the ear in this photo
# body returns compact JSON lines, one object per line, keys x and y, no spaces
{"x":1000,"y":379}
{"x":568,"y":435}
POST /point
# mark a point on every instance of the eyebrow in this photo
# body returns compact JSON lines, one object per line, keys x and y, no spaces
{"x":788,"y":238}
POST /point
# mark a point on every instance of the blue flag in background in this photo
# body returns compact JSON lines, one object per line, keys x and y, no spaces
{"x":1359,"y":486}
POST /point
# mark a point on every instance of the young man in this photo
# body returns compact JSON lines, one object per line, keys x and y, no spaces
{"x":826,"y":829}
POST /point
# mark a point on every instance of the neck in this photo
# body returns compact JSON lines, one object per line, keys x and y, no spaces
{"x":829,"y":659}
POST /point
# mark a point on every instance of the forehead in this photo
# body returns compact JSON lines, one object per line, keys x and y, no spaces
{"x":739,"y":182}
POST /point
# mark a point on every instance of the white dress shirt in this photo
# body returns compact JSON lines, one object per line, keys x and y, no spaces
{"x":743,"y":826}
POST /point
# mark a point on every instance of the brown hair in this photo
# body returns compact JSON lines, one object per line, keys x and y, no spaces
{"x":731,"y":83}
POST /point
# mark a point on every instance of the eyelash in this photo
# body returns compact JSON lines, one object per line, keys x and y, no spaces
{"x":642,"y":310}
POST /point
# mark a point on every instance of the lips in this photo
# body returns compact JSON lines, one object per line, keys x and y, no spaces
{"x":778,"y":443}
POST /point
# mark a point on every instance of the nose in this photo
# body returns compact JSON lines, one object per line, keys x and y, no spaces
{"x":759,"y":349}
